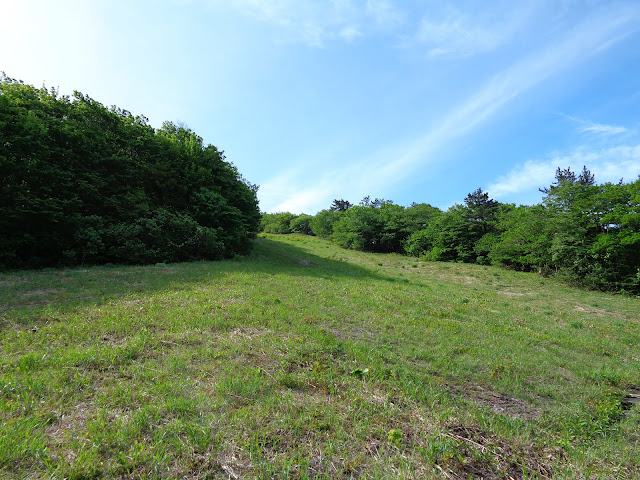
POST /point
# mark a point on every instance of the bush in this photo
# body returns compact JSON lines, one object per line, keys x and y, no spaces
{"x":276,"y":222}
{"x":302,"y":224}
{"x":324,"y":221}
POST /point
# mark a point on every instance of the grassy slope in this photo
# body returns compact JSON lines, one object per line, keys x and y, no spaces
{"x":305,"y":360}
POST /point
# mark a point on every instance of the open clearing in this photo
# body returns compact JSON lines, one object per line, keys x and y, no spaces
{"x":304,"y":360}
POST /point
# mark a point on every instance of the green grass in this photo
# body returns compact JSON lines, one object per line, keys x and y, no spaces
{"x":308,"y":361}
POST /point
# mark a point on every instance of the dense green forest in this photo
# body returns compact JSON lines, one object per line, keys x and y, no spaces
{"x":587,"y":233}
{"x":87,"y":184}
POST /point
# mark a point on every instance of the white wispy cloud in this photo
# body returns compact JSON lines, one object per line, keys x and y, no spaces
{"x":458,"y":34}
{"x":444,"y":31}
{"x":583,"y":41}
{"x":316,"y":23}
{"x":385,"y":13}
{"x":602,"y":129}
{"x":597,"y":129}
{"x":350,"y":33}
{"x":306,"y":201}
{"x":516,"y":80}
{"x":608,"y":165}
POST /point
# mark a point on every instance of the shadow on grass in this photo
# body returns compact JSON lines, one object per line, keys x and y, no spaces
{"x":26,"y":296}
{"x":272,"y":256}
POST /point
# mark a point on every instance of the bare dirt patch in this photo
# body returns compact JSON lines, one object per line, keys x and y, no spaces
{"x":631,"y":399}
{"x":113,"y":340}
{"x":248,"y":333}
{"x":235,"y":464}
{"x":133,"y":302}
{"x":514,"y":294}
{"x":232,"y":301}
{"x":463,"y":279}
{"x":498,"y":402}
{"x":483,"y":455}
{"x":323,"y":466}
{"x":66,"y":423}
{"x":358,"y":333}
{"x":310,"y":396}
{"x":591,"y":310}
{"x":375,"y":395}
{"x":43,"y":292}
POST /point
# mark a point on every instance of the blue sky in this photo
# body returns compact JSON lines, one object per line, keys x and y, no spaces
{"x":407,"y":100}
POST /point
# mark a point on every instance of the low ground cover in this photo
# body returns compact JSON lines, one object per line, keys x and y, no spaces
{"x":304,"y":360}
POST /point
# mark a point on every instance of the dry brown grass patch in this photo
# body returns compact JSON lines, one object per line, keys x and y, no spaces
{"x":67,"y":424}
{"x":591,"y":310}
{"x":515,"y":294}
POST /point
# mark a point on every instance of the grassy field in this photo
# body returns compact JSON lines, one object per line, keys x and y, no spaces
{"x":308,"y":361}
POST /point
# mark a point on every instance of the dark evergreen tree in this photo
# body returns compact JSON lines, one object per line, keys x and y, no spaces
{"x":340,"y":205}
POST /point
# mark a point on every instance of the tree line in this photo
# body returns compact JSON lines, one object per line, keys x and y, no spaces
{"x":87,"y":184}
{"x":586,"y":233}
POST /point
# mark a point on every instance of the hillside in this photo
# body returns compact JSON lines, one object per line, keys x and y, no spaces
{"x":305,"y":360}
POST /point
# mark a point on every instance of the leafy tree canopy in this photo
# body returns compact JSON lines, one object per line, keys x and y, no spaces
{"x":82,"y":183}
